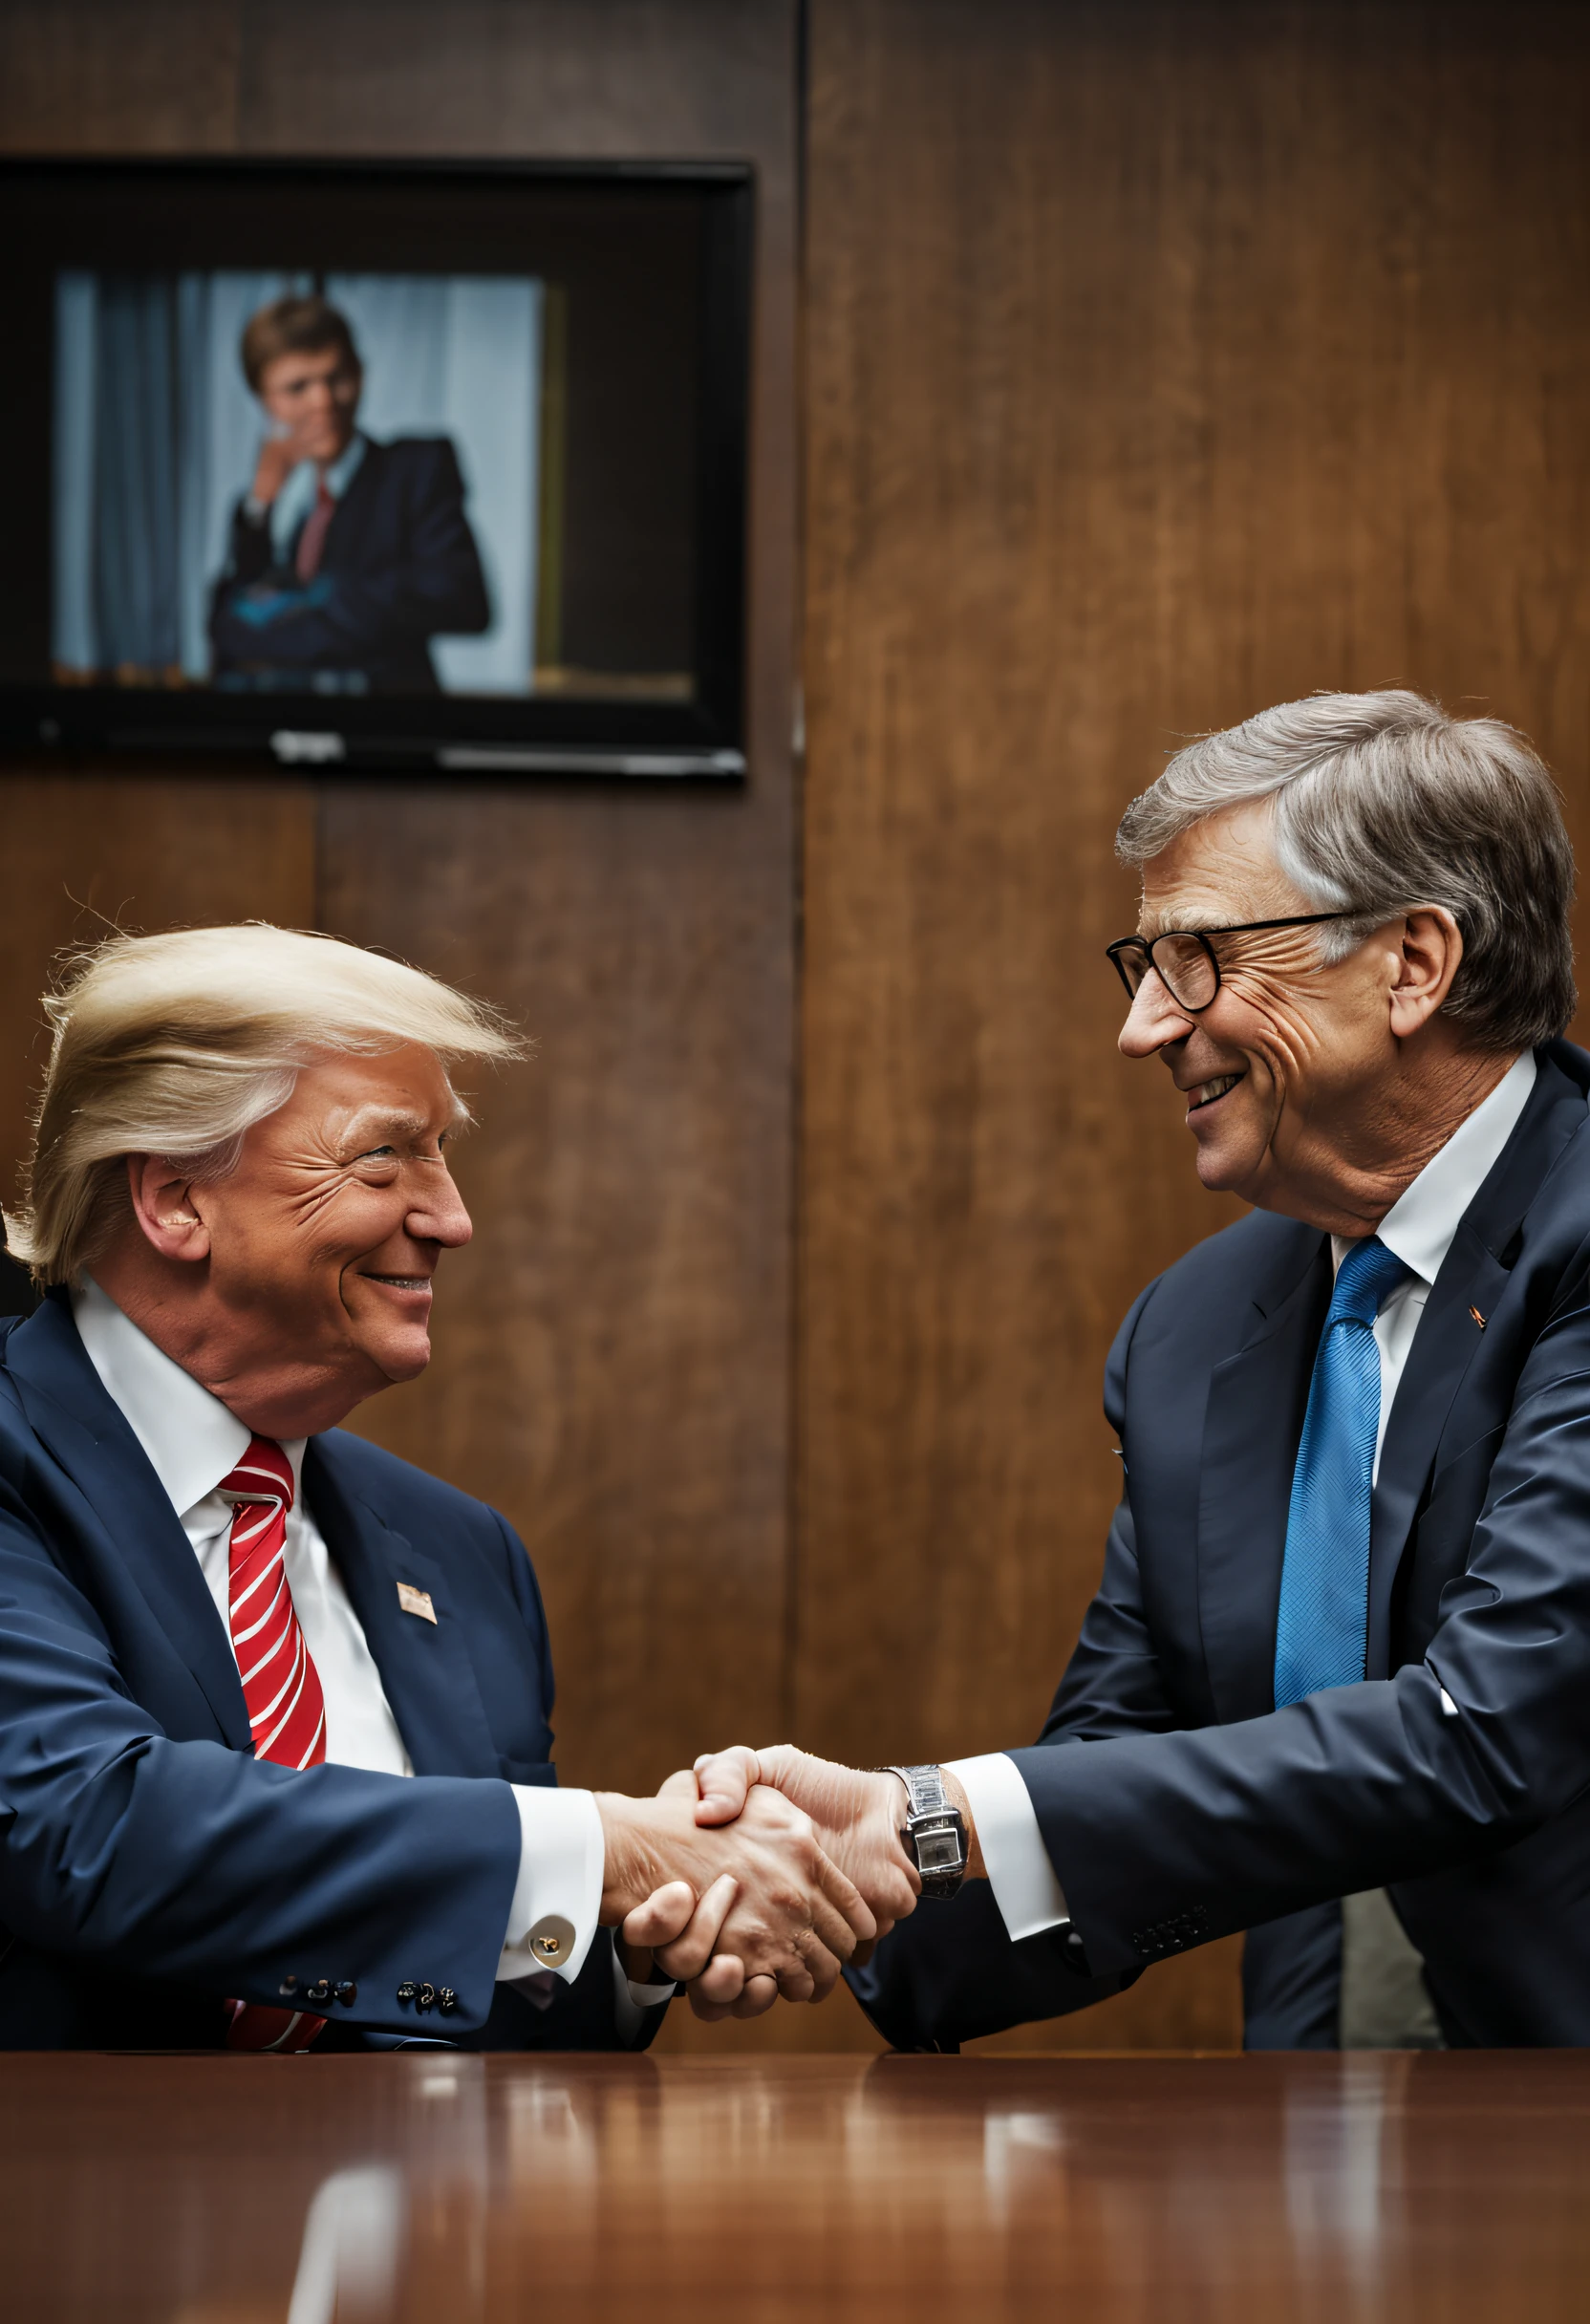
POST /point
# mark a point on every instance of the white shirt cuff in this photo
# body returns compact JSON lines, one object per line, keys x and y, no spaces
{"x":1020,"y":1873}
{"x":561,"y":1855}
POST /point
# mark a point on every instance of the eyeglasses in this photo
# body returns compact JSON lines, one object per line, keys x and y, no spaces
{"x":1185,"y":961}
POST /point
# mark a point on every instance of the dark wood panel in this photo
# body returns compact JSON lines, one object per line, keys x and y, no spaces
{"x":613,"y":1364}
{"x":612,"y":1353}
{"x":119,"y":76}
{"x":678,"y":78}
{"x":86,"y":853}
{"x":1163,"y":363}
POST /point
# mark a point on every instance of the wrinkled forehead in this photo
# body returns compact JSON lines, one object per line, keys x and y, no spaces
{"x":404,"y":1098}
{"x":1217,"y":874}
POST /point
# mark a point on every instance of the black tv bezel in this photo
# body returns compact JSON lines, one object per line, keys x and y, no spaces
{"x":456,"y":734}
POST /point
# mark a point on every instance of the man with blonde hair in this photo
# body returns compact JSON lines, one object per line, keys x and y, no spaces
{"x":274,"y":1750}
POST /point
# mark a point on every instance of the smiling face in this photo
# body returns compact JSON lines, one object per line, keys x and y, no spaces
{"x":300,"y":1283}
{"x":313,"y":398}
{"x":1302,"y":1082}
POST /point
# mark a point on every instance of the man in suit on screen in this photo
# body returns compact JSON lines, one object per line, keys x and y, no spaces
{"x":274,"y":1706}
{"x":347,"y":556}
{"x":1335,"y":1687}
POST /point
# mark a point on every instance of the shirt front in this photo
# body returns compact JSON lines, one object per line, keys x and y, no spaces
{"x":1419,"y":1228}
{"x":192,"y":1442}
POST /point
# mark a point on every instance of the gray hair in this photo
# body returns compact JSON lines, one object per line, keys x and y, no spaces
{"x":177,"y":1044}
{"x":1382,"y":803}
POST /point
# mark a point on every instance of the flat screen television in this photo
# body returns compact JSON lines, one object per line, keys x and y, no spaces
{"x":438,"y":466}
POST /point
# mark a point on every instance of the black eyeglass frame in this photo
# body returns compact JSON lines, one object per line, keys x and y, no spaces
{"x":1147,"y":945}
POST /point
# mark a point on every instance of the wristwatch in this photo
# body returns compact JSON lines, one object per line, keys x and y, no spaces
{"x":933,"y":1831}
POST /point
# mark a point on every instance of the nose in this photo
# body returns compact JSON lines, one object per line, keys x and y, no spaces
{"x":439,"y":1215}
{"x":1153,"y":1021}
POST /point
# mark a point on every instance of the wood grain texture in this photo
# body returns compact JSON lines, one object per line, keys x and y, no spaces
{"x":87,"y":851}
{"x":440,"y":2188}
{"x":119,"y":76}
{"x":1162,"y":363}
{"x":613,"y":1364}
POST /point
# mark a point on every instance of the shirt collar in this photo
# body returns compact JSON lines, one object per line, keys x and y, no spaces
{"x":1421,"y":1223}
{"x":345,"y":467}
{"x":191,"y":1438}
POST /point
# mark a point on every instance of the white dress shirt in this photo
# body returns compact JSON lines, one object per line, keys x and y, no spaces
{"x":1419,"y":1227}
{"x":192,"y":1442}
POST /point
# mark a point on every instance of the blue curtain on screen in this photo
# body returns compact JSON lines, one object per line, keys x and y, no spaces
{"x":155,"y":434}
{"x":155,"y":437}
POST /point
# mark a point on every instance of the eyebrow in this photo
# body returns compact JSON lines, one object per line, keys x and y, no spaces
{"x":372,"y":1122}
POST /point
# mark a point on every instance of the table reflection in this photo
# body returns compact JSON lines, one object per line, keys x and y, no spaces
{"x":341,"y":2190}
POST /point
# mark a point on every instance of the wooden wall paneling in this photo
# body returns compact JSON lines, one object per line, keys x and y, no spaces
{"x":86,"y":851}
{"x":1162,"y":363}
{"x":612,"y":1363}
{"x":110,"y":77}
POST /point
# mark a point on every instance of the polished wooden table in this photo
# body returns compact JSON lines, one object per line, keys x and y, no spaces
{"x":230,"y":2190}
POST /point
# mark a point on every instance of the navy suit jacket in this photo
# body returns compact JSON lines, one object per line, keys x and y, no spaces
{"x":150,"y":1866}
{"x":1177,"y":1804}
{"x":399,"y":567}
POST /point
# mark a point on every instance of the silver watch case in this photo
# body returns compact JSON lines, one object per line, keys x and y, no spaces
{"x":933,"y":1831}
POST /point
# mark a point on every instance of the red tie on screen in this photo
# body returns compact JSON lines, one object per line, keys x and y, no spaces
{"x":311,"y":541}
{"x":280,"y":1686}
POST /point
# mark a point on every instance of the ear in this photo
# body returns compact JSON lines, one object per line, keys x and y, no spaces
{"x":164,"y":1207}
{"x":1431,"y":949}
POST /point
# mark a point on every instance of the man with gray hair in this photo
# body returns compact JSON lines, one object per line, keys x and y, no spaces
{"x":274,"y":1741}
{"x":1340,"y":1649}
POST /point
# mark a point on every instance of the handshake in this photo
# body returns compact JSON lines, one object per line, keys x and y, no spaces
{"x":758,"y":1874}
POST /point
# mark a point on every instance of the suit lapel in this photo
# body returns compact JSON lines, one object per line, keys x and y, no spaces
{"x":70,"y":1411}
{"x":425,"y":1666}
{"x":1251,"y":1425}
{"x":1472,"y":1280}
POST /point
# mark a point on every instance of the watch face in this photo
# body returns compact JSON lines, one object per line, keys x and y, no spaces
{"x":937,"y":1852}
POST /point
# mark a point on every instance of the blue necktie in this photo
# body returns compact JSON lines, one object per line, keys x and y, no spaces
{"x":1325,"y":1582}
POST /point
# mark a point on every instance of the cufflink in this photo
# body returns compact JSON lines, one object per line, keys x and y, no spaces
{"x":552,"y":1940}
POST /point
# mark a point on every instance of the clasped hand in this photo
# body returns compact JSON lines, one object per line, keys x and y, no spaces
{"x":759,"y":1874}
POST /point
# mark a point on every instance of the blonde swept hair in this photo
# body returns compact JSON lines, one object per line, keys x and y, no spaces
{"x":177,"y":1044}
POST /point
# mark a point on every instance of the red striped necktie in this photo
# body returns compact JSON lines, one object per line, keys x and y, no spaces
{"x":311,"y":547}
{"x":281,"y":1687}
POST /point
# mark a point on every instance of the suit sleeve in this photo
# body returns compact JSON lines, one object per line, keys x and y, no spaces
{"x":434,"y":588}
{"x":186,"y":1862}
{"x":1162,"y":1841}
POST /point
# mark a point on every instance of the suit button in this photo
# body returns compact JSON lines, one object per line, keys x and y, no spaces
{"x":347,"y":1992}
{"x":407,"y":1990}
{"x":319,"y":1992}
{"x":446,"y":1998}
{"x":426,"y":1998}
{"x":288,"y":1985}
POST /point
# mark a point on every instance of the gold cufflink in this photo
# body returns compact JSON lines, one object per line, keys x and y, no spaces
{"x":553,"y":1940}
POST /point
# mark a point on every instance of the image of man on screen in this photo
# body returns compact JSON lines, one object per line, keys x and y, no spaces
{"x":347,"y":556}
